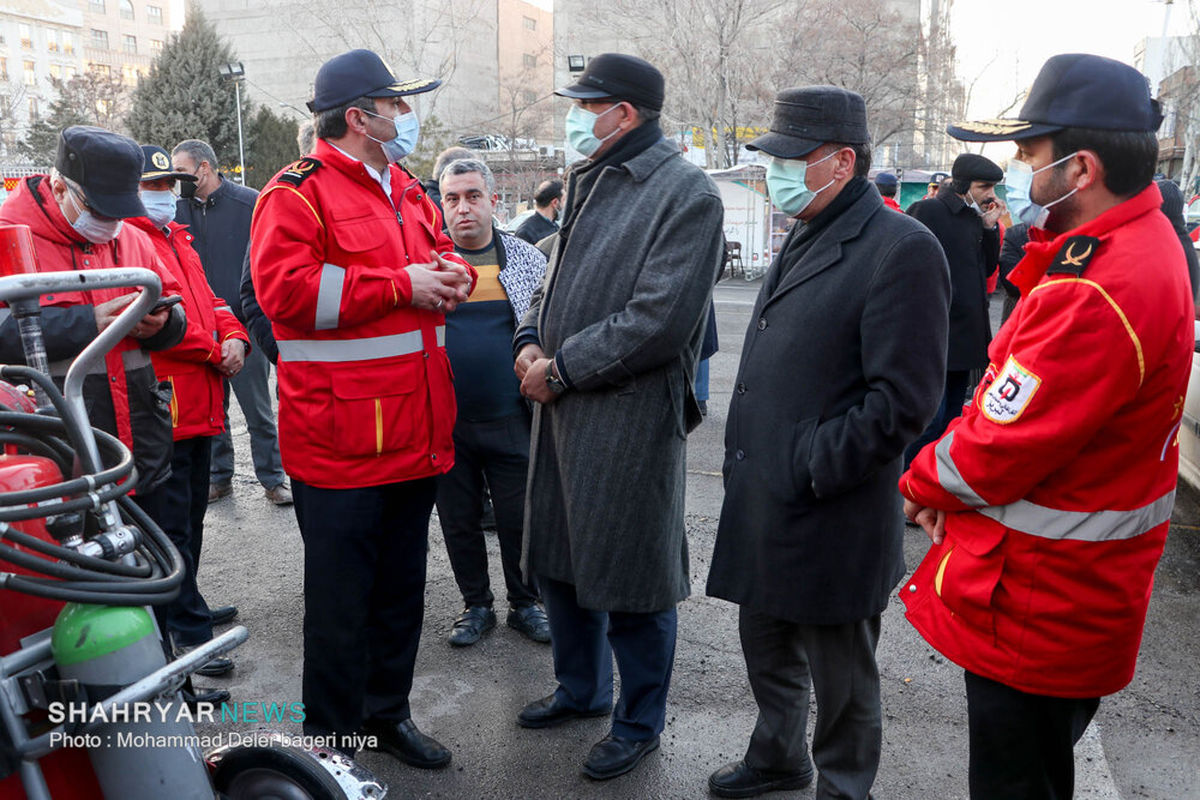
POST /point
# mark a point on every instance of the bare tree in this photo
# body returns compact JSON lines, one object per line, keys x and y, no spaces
{"x":12,"y":93}
{"x":419,"y":36}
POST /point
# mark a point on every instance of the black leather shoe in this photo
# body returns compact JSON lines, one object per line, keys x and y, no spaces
{"x":741,"y":780}
{"x":472,"y":624}
{"x":613,"y":756}
{"x":223,"y":615}
{"x":403,"y":741}
{"x":213,"y":668}
{"x":531,"y":621}
{"x":214,"y":696}
{"x":550,"y":711}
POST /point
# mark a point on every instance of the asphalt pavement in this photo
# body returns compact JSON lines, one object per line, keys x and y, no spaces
{"x":1144,"y":742}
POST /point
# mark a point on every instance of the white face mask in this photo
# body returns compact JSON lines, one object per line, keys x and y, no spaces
{"x":1018,"y":182}
{"x":91,"y":227}
{"x":581,"y":129}
{"x":160,"y":205}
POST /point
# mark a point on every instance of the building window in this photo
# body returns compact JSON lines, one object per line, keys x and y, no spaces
{"x":100,"y":39}
{"x":154,"y":14}
{"x":530,"y":23}
{"x":129,"y":44}
{"x":130,"y":74}
{"x":68,"y":41}
{"x":55,"y":70}
{"x":96,"y":6}
{"x":68,"y":72}
{"x":126,"y":9}
{"x":26,"y":35}
{"x":99,"y":69}
{"x":156,"y":46}
{"x":530,"y":61}
{"x":30,"y":73}
{"x":52,"y":41}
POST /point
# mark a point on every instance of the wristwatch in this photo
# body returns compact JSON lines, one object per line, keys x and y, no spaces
{"x":553,"y":381}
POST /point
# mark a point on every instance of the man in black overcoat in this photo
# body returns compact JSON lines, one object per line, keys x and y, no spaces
{"x":841,"y":367}
{"x":965,"y":222}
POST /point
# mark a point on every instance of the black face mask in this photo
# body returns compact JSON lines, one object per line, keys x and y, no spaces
{"x":187,"y":188}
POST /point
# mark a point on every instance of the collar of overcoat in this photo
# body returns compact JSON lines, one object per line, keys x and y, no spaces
{"x":826,"y":249}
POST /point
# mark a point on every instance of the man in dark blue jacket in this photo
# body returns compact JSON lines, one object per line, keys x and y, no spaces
{"x":217,"y":213}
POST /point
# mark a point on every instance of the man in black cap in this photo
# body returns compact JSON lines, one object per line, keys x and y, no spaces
{"x":352,"y":267}
{"x":841,"y":368}
{"x":76,"y":214}
{"x":965,"y":221}
{"x":608,"y":351}
{"x":1048,"y":500}
{"x":889,"y":186}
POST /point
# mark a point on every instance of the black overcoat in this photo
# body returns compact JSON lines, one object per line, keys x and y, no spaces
{"x":972,"y":253}
{"x":842,"y":366}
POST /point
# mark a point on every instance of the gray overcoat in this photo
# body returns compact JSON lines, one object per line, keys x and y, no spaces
{"x":842,"y":367}
{"x":624,"y":306}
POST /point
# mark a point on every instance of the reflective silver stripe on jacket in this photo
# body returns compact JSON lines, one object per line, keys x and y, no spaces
{"x":1084,"y":526}
{"x":133,"y":359}
{"x":950,"y":478}
{"x":329,"y":297}
{"x":334,"y":350}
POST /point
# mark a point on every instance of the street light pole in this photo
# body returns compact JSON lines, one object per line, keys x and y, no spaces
{"x":235,"y":72}
{"x":237,"y":90}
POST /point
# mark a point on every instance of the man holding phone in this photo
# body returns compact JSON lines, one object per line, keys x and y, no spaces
{"x":213,"y":346}
{"x":965,"y":221}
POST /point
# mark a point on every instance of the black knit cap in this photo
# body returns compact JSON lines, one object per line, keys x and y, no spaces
{"x":807,"y":117}
{"x":107,"y":165}
{"x":619,"y":76}
{"x":1074,"y":90}
{"x":973,"y":167}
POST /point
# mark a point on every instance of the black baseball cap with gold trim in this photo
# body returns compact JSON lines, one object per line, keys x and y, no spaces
{"x":1074,"y":90}
{"x":158,"y":165}
{"x":361,"y":73}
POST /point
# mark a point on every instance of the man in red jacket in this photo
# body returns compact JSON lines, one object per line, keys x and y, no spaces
{"x":1048,"y":500}
{"x":213,"y":346}
{"x":355,"y":273}
{"x":76,"y":214}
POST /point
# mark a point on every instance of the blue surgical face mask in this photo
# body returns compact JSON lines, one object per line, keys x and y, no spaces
{"x":160,"y":205}
{"x":91,"y":227}
{"x":581,"y":129}
{"x":408,"y":129}
{"x":787,"y":187}
{"x":1018,"y":183}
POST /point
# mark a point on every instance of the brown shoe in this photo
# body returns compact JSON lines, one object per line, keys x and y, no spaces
{"x":218,"y":490}
{"x":280,"y":495}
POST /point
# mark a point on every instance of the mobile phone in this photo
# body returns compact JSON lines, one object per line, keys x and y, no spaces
{"x":165,"y":302}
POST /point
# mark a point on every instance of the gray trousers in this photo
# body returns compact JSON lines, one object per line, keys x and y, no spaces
{"x":254,"y":396}
{"x":784,"y":661}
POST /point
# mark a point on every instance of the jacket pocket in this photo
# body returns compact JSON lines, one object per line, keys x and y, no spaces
{"x":968,"y":574}
{"x":802,"y":439}
{"x":377,"y":410}
{"x":361,"y":234}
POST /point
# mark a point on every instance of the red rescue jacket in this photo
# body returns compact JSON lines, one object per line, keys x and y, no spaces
{"x":197,"y":397}
{"x":365,"y":388}
{"x":127,"y":402}
{"x":1059,"y":478}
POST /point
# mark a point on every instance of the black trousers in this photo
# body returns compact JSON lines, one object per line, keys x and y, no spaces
{"x":498,"y":450}
{"x":178,"y":506}
{"x":1023,"y":745}
{"x":953,"y":396}
{"x":364,"y":599}
{"x":786,"y":662}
